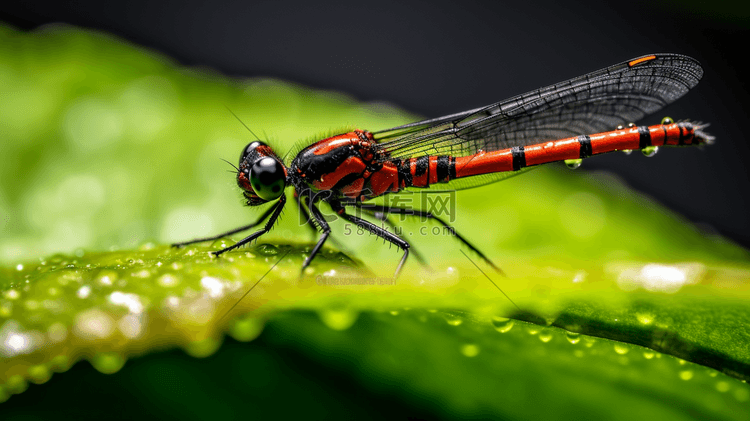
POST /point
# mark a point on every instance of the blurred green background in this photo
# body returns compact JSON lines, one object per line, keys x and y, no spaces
{"x":107,"y":147}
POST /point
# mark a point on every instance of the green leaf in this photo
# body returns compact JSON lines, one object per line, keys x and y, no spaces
{"x":619,"y":309}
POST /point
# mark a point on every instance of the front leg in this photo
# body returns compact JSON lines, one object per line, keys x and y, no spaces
{"x":278,"y":207}
{"x":228,"y":233}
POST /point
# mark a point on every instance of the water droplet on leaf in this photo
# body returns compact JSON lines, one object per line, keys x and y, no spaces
{"x":108,"y":362}
{"x":502,"y":324}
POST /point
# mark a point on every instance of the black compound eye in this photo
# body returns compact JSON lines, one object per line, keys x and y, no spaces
{"x":267,"y":178}
{"x":249,"y":149}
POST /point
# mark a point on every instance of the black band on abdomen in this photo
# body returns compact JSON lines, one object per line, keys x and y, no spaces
{"x":585,"y":141}
{"x":645,"y":137}
{"x":519,"y":157}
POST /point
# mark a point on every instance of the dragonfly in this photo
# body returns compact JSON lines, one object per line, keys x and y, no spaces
{"x":568,"y":121}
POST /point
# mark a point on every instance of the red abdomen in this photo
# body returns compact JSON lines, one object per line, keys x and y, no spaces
{"x":436,"y":169}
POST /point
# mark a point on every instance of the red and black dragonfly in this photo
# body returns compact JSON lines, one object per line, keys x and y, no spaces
{"x":572,"y":120}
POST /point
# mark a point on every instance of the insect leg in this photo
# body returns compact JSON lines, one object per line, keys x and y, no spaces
{"x":382,"y":216}
{"x":277,"y":208}
{"x":429,"y":215}
{"x":310,"y":224}
{"x":380,"y":232}
{"x":303,"y":212}
{"x":228,"y":233}
{"x":323,"y":226}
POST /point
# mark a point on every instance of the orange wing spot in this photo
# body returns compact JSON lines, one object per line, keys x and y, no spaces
{"x":641,"y":60}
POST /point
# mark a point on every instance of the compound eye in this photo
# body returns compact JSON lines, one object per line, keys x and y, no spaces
{"x":249,"y":149}
{"x":267,"y":178}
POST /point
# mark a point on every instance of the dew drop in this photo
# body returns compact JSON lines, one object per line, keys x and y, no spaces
{"x":128,"y":300}
{"x":213,"y":286}
{"x":470,"y":350}
{"x":16,"y":384}
{"x":666,"y":121}
{"x":338,"y":319}
{"x":202,"y":348}
{"x":645,"y":318}
{"x":267,"y":250}
{"x":246,"y":329}
{"x":222,"y":243}
{"x":83,"y":292}
{"x":108,"y":362}
{"x":620,"y":127}
{"x":532,"y":329}
{"x":686,"y":374}
{"x":59,"y":363}
{"x":39,"y":374}
{"x":650,"y":151}
{"x":502,"y":324}
{"x":621,"y":349}
{"x":393,"y":312}
{"x":545,"y":335}
{"x":106,"y":277}
{"x":722,"y":386}
{"x":12,"y":294}
{"x":627,"y":151}
{"x":573,"y":163}
{"x":168,"y":280}
{"x":573,"y":337}
{"x":453,"y":320}
{"x":19,"y":267}
{"x":579,"y":277}
{"x":648,"y":355}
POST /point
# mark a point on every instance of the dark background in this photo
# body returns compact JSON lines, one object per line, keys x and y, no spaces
{"x":440,"y":57}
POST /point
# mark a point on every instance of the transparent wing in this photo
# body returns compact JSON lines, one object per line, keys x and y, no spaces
{"x":588,"y":104}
